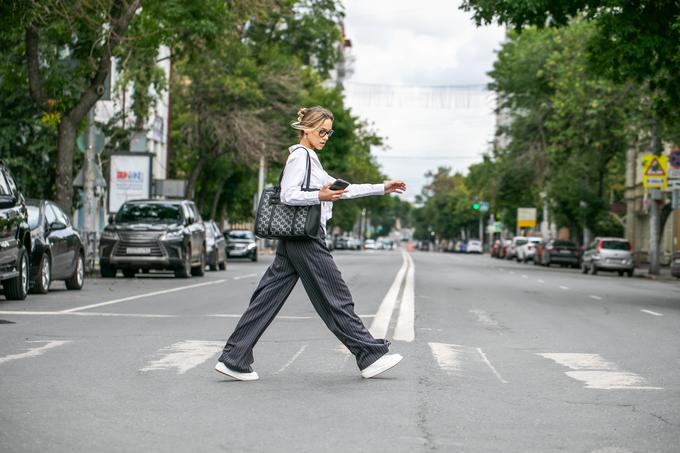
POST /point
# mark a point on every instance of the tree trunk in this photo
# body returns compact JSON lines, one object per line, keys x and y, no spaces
{"x":216,"y":199}
{"x":64,"y":181}
{"x":193,"y":176}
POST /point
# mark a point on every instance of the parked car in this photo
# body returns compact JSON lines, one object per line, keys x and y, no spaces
{"x":354,"y":243}
{"x":341,"y":243}
{"x":557,"y":251}
{"x":57,"y":252}
{"x":608,"y":254}
{"x":517,"y":242}
{"x":154,"y":234}
{"x":526,"y":251}
{"x":495,"y":248}
{"x":329,"y":243}
{"x":216,"y":246}
{"x":241,"y":244}
{"x":369,"y":244}
{"x":675,"y":265}
{"x":474,"y":246}
{"x":505,"y":247}
{"x":15,"y":239}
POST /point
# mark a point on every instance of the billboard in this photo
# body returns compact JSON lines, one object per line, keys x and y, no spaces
{"x":129,"y":178}
{"x":526,"y":217}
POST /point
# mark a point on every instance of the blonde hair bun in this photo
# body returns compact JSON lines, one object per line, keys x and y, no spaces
{"x":309,"y":118}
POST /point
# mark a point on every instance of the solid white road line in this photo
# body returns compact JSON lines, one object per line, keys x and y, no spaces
{"x":140,"y":296}
{"x":592,"y":296}
{"x":239,"y":277}
{"x":35,"y":351}
{"x":405,"y":329}
{"x":224,"y":315}
{"x":295,"y":356}
{"x":486,"y":360}
{"x":184,"y":355}
{"x":597,"y":373}
{"x":651,"y":312}
{"x":381,"y":322}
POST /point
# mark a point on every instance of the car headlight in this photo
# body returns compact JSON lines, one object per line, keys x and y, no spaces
{"x":172,"y":235}
{"x":110,"y":235}
{"x":251,"y":246}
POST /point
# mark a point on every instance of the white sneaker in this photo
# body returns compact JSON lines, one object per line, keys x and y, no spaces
{"x":381,"y":365}
{"x":222,"y":368}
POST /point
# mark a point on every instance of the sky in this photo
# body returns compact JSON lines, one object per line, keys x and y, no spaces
{"x":418,"y":77}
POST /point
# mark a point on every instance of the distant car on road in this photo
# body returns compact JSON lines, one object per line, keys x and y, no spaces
{"x":557,"y":251}
{"x":154,"y":234}
{"x":526,"y":251}
{"x":608,"y":254}
{"x":369,"y":244}
{"x":675,"y":265}
{"x":216,"y":246}
{"x":57,"y":252}
{"x":241,"y":244}
{"x":517,"y":242}
{"x":15,"y":239}
{"x":474,"y":246}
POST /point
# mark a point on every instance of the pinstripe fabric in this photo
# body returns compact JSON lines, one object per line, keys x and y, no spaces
{"x":310,"y":261}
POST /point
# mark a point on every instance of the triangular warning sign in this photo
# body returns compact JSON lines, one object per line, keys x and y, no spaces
{"x":654,"y":168}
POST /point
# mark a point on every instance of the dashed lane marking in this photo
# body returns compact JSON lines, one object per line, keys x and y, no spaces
{"x":651,"y":312}
{"x":141,"y":296}
{"x":565,"y":288}
{"x":239,"y":277}
{"x":592,"y":296}
{"x":540,"y":281}
{"x":34,"y":352}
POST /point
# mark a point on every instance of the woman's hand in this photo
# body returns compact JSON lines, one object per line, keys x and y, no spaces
{"x":395,"y":185}
{"x":326,"y":194}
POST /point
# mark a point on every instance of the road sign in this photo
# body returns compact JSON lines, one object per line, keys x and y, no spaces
{"x":526,"y":217}
{"x":484,"y":206}
{"x":674,"y":164}
{"x":654,"y":171}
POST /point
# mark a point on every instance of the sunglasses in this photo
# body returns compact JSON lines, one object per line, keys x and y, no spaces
{"x":325,"y":132}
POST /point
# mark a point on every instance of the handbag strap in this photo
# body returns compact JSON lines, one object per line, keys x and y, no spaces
{"x":308,"y":177}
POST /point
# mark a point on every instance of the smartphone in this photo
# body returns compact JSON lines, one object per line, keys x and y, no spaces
{"x":339,"y":184}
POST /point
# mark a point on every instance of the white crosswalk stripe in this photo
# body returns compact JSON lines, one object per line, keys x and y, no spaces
{"x":597,"y":373}
{"x":184,"y":355}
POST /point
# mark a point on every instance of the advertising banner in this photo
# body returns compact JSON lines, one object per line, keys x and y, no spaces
{"x":526,"y":217}
{"x":130,"y":178}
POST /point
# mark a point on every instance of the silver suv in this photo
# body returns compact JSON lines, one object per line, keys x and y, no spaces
{"x":608,"y":254}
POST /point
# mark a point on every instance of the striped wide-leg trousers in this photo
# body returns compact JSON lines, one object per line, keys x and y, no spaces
{"x":310,"y":261}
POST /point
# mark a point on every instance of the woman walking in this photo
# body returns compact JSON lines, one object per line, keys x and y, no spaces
{"x":309,"y":260}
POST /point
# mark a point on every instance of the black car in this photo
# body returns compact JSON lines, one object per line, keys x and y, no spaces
{"x":154,"y":234}
{"x":241,"y":244}
{"x":216,"y":246}
{"x":15,"y":238}
{"x":557,"y":251}
{"x":57,"y":252}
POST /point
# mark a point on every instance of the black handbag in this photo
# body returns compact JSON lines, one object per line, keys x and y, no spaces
{"x":276,"y":220}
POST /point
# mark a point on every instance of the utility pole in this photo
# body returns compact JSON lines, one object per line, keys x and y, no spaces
{"x":88,"y":194}
{"x":654,"y":212}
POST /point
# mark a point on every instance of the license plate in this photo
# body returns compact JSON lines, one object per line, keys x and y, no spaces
{"x":138,"y":250}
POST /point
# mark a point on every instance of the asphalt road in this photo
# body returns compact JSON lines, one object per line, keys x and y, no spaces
{"x":499,"y":356}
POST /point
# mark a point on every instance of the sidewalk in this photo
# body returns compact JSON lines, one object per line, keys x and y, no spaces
{"x":664,"y":273}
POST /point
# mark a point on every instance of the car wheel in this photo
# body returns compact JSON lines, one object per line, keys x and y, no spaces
{"x":620,"y":273}
{"x":199,"y":271}
{"x":107,"y":271}
{"x":17,"y":288}
{"x":184,"y":271}
{"x":213,"y":264}
{"x":222,"y":265}
{"x":630,"y":273}
{"x":129,"y":273}
{"x":77,"y":280}
{"x":593,"y":269}
{"x":253,"y":257}
{"x":44,"y":277}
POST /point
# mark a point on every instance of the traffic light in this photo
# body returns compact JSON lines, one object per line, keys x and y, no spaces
{"x":475,"y":206}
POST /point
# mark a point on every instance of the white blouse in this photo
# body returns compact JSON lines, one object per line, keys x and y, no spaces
{"x":295,"y":173}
